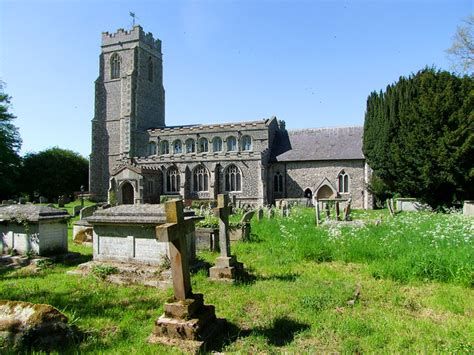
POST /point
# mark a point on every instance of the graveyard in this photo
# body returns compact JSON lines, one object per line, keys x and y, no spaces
{"x":379,"y":282}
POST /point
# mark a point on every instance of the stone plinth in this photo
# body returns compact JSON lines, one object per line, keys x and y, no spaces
{"x":187,"y":324}
{"x":226,"y":268}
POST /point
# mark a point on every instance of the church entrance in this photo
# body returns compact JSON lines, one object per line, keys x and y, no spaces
{"x":127,"y":194}
{"x":308,"y":193}
{"x":324,"y":192}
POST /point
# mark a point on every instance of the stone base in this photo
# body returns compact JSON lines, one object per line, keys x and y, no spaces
{"x":187,"y":324}
{"x":225,"y":269}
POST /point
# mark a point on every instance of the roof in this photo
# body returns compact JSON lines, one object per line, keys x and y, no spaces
{"x":31,"y":213}
{"x":342,"y":143}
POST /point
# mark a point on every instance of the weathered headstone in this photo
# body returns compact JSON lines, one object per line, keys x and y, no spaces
{"x":245,"y":224}
{"x":317,"y":213}
{"x":226,"y":264}
{"x":186,"y":321}
{"x":260,"y":214}
{"x":347,"y":210}
{"x":87,"y":211}
{"x":390,"y":207}
{"x":337,"y":210}
{"x":61,"y":201}
{"x":468,"y":208}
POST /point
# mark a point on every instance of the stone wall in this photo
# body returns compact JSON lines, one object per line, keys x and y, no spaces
{"x":299,"y":176}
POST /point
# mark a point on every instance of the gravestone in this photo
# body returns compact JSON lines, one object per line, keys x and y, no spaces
{"x":226,"y":264}
{"x":87,"y":211}
{"x":468,"y":208}
{"x":245,"y":224}
{"x":61,"y":201}
{"x":22,"y":201}
{"x":347,"y":210}
{"x":260,"y":214}
{"x":317,"y":212}
{"x":43,"y":200}
{"x":337,"y":211}
{"x":76,"y":210}
{"x":187,"y":322}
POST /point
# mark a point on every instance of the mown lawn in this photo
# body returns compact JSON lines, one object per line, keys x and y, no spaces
{"x":414,"y":273}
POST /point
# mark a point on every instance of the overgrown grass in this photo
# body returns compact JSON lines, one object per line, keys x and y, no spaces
{"x":295,"y":296}
{"x":411,"y":246}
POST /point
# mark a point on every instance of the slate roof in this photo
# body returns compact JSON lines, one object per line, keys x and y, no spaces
{"x":31,"y":213}
{"x":341,"y":143}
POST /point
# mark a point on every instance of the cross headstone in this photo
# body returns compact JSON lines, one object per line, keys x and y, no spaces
{"x":174,"y":232}
{"x":223,"y":211}
{"x":226,"y":264}
{"x":187,"y":322}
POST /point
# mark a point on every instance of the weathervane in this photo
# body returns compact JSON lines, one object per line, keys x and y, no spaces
{"x":133,"y":16}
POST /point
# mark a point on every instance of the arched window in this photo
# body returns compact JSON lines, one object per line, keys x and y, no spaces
{"x":200,"y":179}
{"x":151,"y":148}
{"x":203,"y":145}
{"x":115,"y":66}
{"x":165,"y":147}
{"x":217,"y":144}
{"x":172,"y":180}
{"x":231,"y":144}
{"x":246,"y":143}
{"x":278,"y":182}
{"x":150,"y":69}
{"x":233,"y":178}
{"x":343,"y":182}
{"x":177,"y":147}
{"x":190,"y":145}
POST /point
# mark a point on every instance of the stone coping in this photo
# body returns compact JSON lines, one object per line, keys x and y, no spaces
{"x":134,"y":214}
{"x":31,"y":213}
{"x":406,"y":199}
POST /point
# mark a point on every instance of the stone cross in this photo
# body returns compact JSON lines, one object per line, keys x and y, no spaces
{"x":223,"y":211}
{"x":174,"y":232}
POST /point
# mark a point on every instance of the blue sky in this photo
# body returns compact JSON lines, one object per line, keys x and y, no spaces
{"x":310,"y":63}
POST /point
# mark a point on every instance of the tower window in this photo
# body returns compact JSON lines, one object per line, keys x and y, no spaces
{"x":115,"y":66}
{"x":231,"y":144}
{"x":203,"y":145}
{"x":150,"y":69}
{"x":151,"y":148}
{"x":233,"y":178}
{"x":278,"y":182}
{"x":343,"y":182}
{"x":216,"y":144}
{"x":190,"y":145}
{"x":200,"y":179}
{"x":172,"y":180}
{"x":246,"y":143}
{"x":165,"y":147}
{"x":177,"y":147}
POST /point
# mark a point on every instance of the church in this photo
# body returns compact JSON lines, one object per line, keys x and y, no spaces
{"x":136,"y":158}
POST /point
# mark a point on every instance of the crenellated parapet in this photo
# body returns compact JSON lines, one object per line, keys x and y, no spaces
{"x":122,"y":36}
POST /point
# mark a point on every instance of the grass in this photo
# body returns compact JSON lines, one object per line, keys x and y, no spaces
{"x":414,"y":273}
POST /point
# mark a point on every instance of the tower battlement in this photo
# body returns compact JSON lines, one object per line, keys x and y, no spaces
{"x":135,"y":34}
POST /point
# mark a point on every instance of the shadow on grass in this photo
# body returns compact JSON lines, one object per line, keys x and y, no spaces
{"x":72,"y":259}
{"x":247,"y":277}
{"x":253,"y":238}
{"x":200,"y":264}
{"x":281,"y":332}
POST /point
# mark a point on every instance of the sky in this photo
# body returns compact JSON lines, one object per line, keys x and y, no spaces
{"x":309,"y":63}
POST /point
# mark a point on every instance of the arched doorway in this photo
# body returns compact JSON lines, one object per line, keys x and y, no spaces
{"x":127,"y":194}
{"x":324,"y":192}
{"x":308,"y":193}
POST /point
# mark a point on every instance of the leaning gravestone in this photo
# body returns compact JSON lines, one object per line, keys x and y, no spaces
{"x":186,"y":322}
{"x":226,"y":264}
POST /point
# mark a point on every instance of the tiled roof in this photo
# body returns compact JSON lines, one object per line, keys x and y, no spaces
{"x":340,"y":143}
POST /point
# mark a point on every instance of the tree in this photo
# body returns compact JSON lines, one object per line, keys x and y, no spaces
{"x":419,"y":137}
{"x":10,"y":143}
{"x":54,"y":172}
{"x":462,"y":50}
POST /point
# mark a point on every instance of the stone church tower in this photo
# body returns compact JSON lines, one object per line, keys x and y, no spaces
{"x":129,"y":99}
